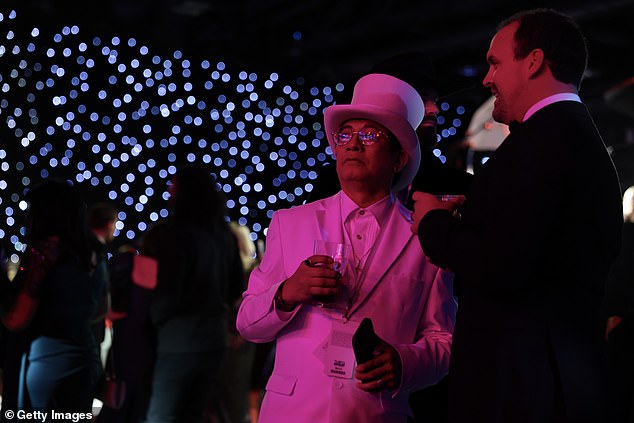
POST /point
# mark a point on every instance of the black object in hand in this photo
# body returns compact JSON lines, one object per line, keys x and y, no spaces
{"x":364,"y":341}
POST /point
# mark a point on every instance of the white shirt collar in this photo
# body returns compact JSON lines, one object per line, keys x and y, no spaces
{"x":381,"y":209}
{"x":550,"y":100}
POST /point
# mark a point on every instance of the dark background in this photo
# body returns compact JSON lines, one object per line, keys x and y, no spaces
{"x":342,"y":39}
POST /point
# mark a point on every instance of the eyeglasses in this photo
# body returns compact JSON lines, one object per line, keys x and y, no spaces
{"x":367,"y":136}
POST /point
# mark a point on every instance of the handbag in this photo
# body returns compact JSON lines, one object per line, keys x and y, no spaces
{"x":113,"y":392}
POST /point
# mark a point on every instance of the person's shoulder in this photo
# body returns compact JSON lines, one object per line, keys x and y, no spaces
{"x":171,"y":228}
{"x":561,"y":114}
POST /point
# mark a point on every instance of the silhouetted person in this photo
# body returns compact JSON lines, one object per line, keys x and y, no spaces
{"x":58,"y":297}
{"x":102,"y":218}
{"x":199,"y":277}
{"x":133,"y":279}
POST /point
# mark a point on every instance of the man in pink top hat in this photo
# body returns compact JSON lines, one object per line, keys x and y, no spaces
{"x":386,"y":277}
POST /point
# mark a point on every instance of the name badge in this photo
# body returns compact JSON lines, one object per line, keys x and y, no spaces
{"x":340,"y":356}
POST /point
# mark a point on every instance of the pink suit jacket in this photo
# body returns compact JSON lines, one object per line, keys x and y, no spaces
{"x":409,"y":300}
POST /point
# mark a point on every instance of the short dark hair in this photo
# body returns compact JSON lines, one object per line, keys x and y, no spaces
{"x":557,"y":35}
{"x":198,"y":199}
{"x":57,"y":208}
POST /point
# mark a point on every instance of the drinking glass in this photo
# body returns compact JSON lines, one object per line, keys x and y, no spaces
{"x":340,"y":254}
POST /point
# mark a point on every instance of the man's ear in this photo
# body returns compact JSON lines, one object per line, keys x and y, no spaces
{"x":536,"y":62}
{"x":401,"y":161}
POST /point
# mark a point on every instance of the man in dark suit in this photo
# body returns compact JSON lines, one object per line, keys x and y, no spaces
{"x":534,"y":241}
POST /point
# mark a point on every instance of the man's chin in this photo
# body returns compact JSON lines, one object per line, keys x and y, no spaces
{"x":498,"y":116}
{"x":354,"y":175}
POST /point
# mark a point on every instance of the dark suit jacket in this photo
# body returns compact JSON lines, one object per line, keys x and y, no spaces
{"x":541,"y":225}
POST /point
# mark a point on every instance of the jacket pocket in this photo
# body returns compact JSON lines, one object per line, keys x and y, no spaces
{"x":281,"y":384}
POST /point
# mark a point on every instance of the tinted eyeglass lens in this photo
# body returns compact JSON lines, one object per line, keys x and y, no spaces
{"x":367,"y":136}
{"x":344,"y":136}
